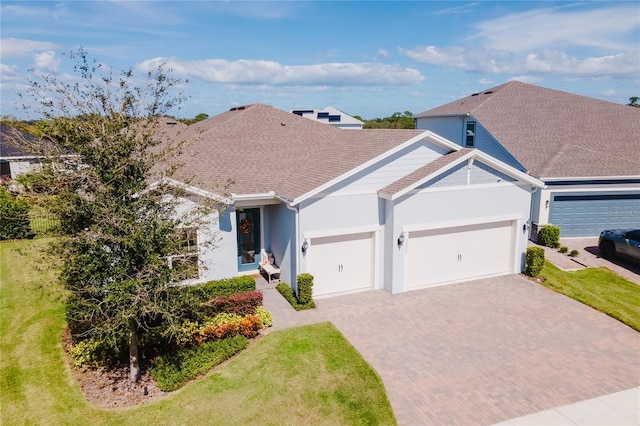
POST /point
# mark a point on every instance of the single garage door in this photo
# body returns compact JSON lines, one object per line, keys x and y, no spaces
{"x":453,"y":254}
{"x":586,"y":215}
{"x":342,"y":263}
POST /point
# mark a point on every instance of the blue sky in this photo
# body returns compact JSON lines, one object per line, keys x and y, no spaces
{"x":364,"y":58}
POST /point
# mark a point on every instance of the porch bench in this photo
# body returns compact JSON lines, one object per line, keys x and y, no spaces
{"x":268,"y":265}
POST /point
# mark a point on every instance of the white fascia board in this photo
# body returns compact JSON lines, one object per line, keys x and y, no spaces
{"x":579,"y":178}
{"x":508,"y":170}
{"x":430,"y":176}
{"x":483,"y":158}
{"x":254,"y":197}
{"x":190,"y":188}
{"x":427,"y":134}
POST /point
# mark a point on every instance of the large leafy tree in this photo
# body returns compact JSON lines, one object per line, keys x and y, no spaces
{"x":395,"y":121}
{"x":103,"y":135}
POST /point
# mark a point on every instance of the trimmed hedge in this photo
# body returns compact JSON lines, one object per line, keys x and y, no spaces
{"x":287,"y":293}
{"x":226,"y":287}
{"x":172,"y":371}
{"x":534,"y":261}
{"x":244,"y":303}
{"x":549,"y":236}
{"x":305,"y":289}
{"x":194,"y":300}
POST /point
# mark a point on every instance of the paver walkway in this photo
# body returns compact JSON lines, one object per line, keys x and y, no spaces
{"x":479,"y":352}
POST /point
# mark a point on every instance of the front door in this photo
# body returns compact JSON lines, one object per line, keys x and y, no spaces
{"x":248,"y":228}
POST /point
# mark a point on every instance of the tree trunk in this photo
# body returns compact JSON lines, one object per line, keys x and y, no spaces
{"x":134,"y":365}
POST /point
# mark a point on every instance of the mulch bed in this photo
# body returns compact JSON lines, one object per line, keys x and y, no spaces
{"x":111,"y":388}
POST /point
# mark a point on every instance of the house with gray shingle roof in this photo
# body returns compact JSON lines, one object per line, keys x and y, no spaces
{"x":15,"y":160}
{"x":332,"y":116}
{"x":372,"y":209}
{"x":585,"y":150}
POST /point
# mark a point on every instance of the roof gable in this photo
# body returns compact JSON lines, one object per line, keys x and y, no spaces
{"x":554,"y":133}
{"x":432,"y":172}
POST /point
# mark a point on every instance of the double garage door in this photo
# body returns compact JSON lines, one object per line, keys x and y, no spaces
{"x":341,"y":263}
{"x":586,"y":215}
{"x":346,"y":263}
{"x":444,"y":255}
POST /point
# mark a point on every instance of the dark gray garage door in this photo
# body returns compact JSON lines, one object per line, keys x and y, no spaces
{"x":586,"y":215}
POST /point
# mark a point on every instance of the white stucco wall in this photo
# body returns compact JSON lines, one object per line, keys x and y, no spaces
{"x":216,"y":242}
{"x":460,"y":205}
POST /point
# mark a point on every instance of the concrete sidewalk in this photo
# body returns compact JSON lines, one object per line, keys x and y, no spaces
{"x":620,"y":408}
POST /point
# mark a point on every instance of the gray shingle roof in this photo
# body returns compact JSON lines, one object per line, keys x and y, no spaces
{"x":260,"y":149}
{"x":554,"y":133}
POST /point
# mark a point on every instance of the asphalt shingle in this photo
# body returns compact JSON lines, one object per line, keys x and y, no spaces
{"x":554,"y":133}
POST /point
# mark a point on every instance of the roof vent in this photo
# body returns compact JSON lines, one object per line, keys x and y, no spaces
{"x":488,"y":93}
{"x":475,"y":94}
{"x":240,"y":108}
{"x":172,"y":123}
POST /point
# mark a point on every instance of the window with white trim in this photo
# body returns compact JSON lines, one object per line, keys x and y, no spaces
{"x":187,"y":262}
{"x":470,"y":140}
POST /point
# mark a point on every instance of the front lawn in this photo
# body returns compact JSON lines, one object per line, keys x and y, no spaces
{"x":599,"y":288}
{"x":305,"y":375}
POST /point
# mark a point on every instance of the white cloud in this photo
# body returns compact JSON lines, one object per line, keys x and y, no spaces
{"x":19,"y":48}
{"x":260,"y":72}
{"x":527,"y":79}
{"x":47,"y":61}
{"x":602,"y":27}
{"x":485,"y":81}
{"x":384,"y":53}
{"x":609,"y":92}
{"x":8,"y":72}
{"x":457,"y":10}
{"x":570,"y":40}
{"x":496,"y":61}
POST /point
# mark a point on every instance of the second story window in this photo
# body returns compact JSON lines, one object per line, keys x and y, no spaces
{"x":470,"y":141}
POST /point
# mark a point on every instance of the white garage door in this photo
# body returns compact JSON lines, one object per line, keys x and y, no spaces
{"x":342,"y":263}
{"x":453,"y":254}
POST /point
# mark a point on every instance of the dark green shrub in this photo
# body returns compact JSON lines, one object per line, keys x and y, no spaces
{"x":226,"y":287}
{"x":563,"y":249}
{"x":173,"y":370}
{"x":574,"y":253}
{"x":549,"y":235}
{"x":305,"y":289}
{"x":534,"y":261}
{"x":194,"y":300}
{"x":288,"y":294}
{"x":14,"y":216}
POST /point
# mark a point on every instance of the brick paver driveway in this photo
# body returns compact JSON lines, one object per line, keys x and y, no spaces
{"x":485,"y":351}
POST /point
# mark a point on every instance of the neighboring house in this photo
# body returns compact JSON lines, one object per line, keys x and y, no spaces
{"x":330,"y":115}
{"x":585,"y":150}
{"x":14,"y":161}
{"x":392,"y":209}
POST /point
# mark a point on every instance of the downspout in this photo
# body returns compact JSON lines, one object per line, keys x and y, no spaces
{"x":295,"y":246}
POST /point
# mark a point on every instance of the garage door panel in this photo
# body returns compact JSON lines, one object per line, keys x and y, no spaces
{"x":342,"y":263}
{"x":453,"y":254}
{"x":583,"y":215}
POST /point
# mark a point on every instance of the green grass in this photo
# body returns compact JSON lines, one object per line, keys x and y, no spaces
{"x":305,"y":375}
{"x":599,"y":288}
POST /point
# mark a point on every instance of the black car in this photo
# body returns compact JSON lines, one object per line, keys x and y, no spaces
{"x":620,"y":242}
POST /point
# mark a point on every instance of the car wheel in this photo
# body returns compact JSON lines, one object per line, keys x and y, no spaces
{"x":608,"y":250}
